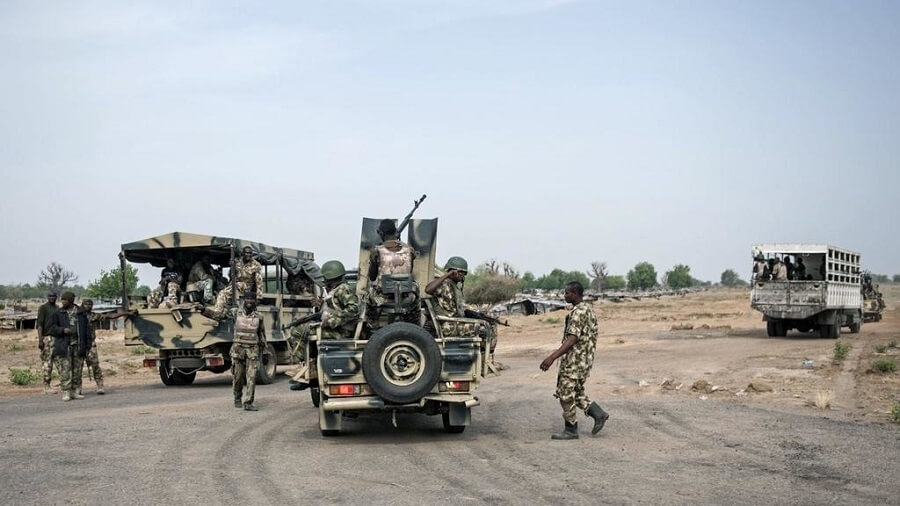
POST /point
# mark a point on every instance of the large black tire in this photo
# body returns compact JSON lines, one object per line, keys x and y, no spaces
{"x":267,"y":365}
{"x":855,"y":327}
{"x":401,"y":362}
{"x":314,"y":392}
{"x":168,"y":380}
{"x":452,"y":429}
{"x":830,"y":331}
{"x":770,"y":328}
{"x":181,"y":378}
{"x":780,"y":328}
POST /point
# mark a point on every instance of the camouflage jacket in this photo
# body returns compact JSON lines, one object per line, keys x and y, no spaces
{"x":582,"y":324}
{"x":248,"y":274}
{"x":450,"y":300}
{"x":341,"y":308}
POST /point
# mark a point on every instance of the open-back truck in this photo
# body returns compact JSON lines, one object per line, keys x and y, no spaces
{"x":827,"y":299}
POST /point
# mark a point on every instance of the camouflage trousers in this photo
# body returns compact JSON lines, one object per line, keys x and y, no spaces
{"x":570,"y":392}
{"x":92,"y":361}
{"x":224,"y":295}
{"x":170,"y":298}
{"x":47,"y":360}
{"x":244,"y":365}
{"x":70,"y":369}
{"x":298,"y":341}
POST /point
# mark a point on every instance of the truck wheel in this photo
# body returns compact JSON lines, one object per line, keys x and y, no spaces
{"x":167,"y":379}
{"x":314,"y":393}
{"x":780,"y":328}
{"x":401,"y":362}
{"x":452,"y":429}
{"x":855,"y":327}
{"x":181,"y":378}
{"x":770,"y":328}
{"x":830,"y":331}
{"x":267,"y":363}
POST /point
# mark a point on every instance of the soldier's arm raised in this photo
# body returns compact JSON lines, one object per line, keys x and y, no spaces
{"x":435,"y":283}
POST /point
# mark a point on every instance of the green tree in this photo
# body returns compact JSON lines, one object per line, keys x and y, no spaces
{"x":679,"y":277}
{"x":614,"y":283}
{"x":527,"y":281}
{"x":896,"y":278}
{"x":109,"y":285}
{"x":142,"y":291}
{"x":730,"y":278}
{"x":642,"y":276}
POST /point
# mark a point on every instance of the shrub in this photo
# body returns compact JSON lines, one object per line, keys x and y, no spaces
{"x":841,"y":350}
{"x":881,"y":348}
{"x":142,"y":350}
{"x":895,"y":413}
{"x":892,"y":344}
{"x":22,"y":376}
{"x":884,"y":365}
{"x":552,"y":320}
{"x":14,"y":347}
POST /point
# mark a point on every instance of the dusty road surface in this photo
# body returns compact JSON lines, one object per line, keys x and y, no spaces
{"x":145,"y":443}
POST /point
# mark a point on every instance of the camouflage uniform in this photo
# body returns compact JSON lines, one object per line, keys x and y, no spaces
{"x":201,"y":280}
{"x":340,"y":313}
{"x":247,"y":275}
{"x":392,"y":258}
{"x":575,"y":366}
{"x":449,"y":301}
{"x":92,"y":359}
{"x":70,"y":366}
{"x":170,"y":298}
{"x":244,"y":354}
{"x":42,"y":324}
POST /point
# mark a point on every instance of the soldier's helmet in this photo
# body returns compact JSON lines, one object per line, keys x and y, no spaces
{"x":333,"y":269}
{"x":457,"y":263}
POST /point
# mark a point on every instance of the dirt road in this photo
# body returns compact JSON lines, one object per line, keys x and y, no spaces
{"x":145,"y":443}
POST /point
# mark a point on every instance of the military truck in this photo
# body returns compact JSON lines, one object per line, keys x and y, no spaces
{"x":400,"y":367}
{"x":827,"y":299}
{"x":184,"y":339}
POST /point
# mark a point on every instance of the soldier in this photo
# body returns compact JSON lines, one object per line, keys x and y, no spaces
{"x":45,"y":339}
{"x":249,"y":339}
{"x":447,"y":289}
{"x":247,"y":274}
{"x":169,"y":285}
{"x":759,"y":268}
{"x":779,"y":271}
{"x":92,"y":359}
{"x":577,"y":358}
{"x":790,"y":268}
{"x":201,"y":278}
{"x":800,"y":270}
{"x":339,"y":316}
{"x":71,"y":342}
{"x":391,"y":257}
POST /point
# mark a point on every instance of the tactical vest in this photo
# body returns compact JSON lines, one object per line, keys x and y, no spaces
{"x":391,"y":263}
{"x":245,"y":328}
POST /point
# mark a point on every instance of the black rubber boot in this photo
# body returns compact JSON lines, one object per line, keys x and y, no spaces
{"x":600,"y":417}
{"x":238,"y":403}
{"x":570,"y":432}
{"x":299,"y":386}
{"x":250,"y":407}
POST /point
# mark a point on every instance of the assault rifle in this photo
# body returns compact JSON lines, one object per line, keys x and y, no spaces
{"x":303,"y":319}
{"x":490,"y":319}
{"x":405,"y":221}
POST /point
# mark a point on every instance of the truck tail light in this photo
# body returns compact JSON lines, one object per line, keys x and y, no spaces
{"x":457,"y":386}
{"x":151,"y":362}
{"x":337,"y":390}
{"x":214,"y":361}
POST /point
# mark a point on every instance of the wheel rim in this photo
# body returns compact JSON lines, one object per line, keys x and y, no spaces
{"x":402,"y":363}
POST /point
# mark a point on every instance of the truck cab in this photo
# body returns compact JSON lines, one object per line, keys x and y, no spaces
{"x":824,"y":296}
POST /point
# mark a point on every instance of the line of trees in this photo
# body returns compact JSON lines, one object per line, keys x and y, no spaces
{"x":55,"y":277}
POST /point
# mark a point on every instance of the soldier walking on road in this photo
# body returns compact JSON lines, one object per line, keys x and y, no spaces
{"x":45,"y":339}
{"x":71,"y":342}
{"x":249,"y":340}
{"x":576,"y":359}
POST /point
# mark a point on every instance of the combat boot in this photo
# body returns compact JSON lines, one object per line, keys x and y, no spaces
{"x":600,"y":417}
{"x":570,"y":432}
{"x":237,"y":403}
{"x":67,"y":397}
{"x":100,"y":390}
{"x":77,"y":395}
{"x":250,"y":407}
{"x":49,"y":390}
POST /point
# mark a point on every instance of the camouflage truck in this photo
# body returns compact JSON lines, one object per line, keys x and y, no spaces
{"x":185,"y":340}
{"x":827,"y":299}
{"x":395,"y":366}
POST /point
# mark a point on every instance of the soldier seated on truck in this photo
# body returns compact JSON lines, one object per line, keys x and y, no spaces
{"x":169,"y":286}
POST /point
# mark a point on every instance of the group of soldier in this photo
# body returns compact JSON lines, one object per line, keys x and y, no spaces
{"x":67,"y":340}
{"x":66,"y":334}
{"x":780,"y":269}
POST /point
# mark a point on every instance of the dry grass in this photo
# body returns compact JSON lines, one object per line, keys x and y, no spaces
{"x":824,"y":399}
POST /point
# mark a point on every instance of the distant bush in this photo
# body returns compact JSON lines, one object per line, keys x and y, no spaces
{"x":841,"y":349}
{"x":22,"y":376}
{"x":552,"y":320}
{"x":892,"y":344}
{"x":895,"y":413}
{"x":142,"y":350}
{"x":614,"y":283}
{"x":679,"y":277}
{"x":884,"y":365}
{"x":881,"y":348}
{"x":642,"y":277}
{"x":490,"y":289}
{"x":731,"y":279}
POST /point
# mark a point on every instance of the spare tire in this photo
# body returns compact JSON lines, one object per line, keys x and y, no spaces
{"x":401,"y":362}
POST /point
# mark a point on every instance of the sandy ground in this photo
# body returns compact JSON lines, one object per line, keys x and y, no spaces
{"x":665,"y":443}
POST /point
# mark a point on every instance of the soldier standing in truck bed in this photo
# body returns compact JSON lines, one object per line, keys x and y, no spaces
{"x":248,"y":277}
{"x":576,"y":356}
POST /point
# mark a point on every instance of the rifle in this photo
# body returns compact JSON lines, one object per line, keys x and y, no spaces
{"x":481,"y":316}
{"x":303,"y":319}
{"x":405,"y":221}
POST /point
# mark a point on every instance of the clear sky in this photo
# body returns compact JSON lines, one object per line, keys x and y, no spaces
{"x":547,"y":133}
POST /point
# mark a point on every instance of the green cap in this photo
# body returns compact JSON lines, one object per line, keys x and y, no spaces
{"x":333,"y":269}
{"x":457,"y":263}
